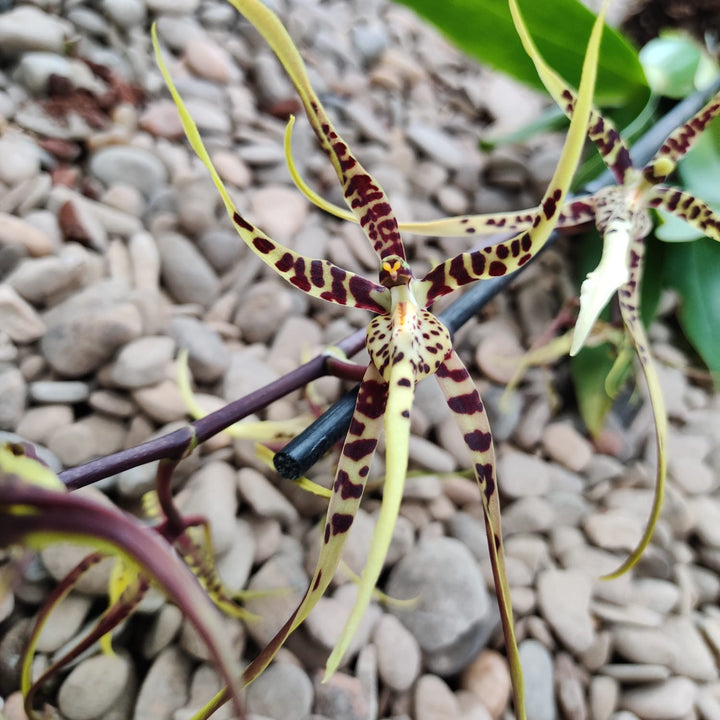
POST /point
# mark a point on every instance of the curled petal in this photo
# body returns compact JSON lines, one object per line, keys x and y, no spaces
{"x":576,"y":213}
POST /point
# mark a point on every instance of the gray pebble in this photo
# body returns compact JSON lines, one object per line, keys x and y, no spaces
{"x":59,"y":391}
{"x":263,"y":497}
{"x":264,"y":306}
{"x":222,"y":248}
{"x":165,"y":626}
{"x":247,"y":372}
{"x":143,"y":362}
{"x":564,"y":600}
{"x":504,"y":412}
{"x":234,"y":566}
{"x":185,"y":272}
{"x":85,"y":330}
{"x":63,"y":622}
{"x":341,"y":697}
{"x":539,"y":677}
{"x":284,"y":573}
{"x":208,"y":357}
{"x":434,"y":700}
{"x":125,"y":13}
{"x":39,"y":279}
{"x":453,"y":599}
{"x":667,"y":700}
{"x":19,"y":159}
{"x":398,"y":653}
{"x":17,"y":318}
{"x":12,"y":397}
{"x":282,"y":692}
{"x":370,"y":40}
{"x":603,"y":697}
{"x":94,"y":687}
{"x":28,"y":28}
{"x":165,"y":687}
{"x":128,"y":165}
{"x":438,"y":145}
{"x":521,"y":474}
{"x":328,"y":619}
{"x":213,"y":496}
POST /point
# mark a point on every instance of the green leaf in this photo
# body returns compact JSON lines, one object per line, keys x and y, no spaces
{"x":560,"y":28}
{"x":694,"y":270}
{"x":589,"y":369}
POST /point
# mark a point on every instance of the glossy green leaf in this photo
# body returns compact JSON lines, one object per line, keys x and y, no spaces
{"x":484,"y":30}
{"x":694,"y":270}
{"x":590,"y":369}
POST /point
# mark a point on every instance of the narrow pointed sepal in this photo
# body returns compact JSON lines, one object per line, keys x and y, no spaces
{"x":680,"y":141}
{"x":464,"y":401}
{"x":401,"y":390}
{"x":363,"y":194}
{"x":506,"y":257}
{"x":629,"y":308}
{"x":601,"y":131}
{"x":692,"y":210}
{"x":350,"y":478}
{"x":318,"y":278}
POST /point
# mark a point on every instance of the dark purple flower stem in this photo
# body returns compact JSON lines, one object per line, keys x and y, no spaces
{"x":176,"y":444}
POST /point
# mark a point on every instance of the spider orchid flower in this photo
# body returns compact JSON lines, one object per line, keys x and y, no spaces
{"x":405,"y":341}
{"x":622,"y":217}
{"x":36,"y":510}
{"x":621,"y":214}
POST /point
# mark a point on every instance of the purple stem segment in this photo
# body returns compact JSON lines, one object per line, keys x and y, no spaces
{"x":174,"y":445}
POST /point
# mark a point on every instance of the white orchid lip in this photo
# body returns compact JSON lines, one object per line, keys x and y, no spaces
{"x":602,"y":283}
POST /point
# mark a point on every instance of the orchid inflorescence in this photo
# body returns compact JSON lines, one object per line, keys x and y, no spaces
{"x":405,"y":342}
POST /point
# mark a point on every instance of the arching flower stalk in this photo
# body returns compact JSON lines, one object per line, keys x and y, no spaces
{"x":405,"y":341}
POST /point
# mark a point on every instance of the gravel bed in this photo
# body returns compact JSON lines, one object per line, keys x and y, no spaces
{"x":115,"y":254}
